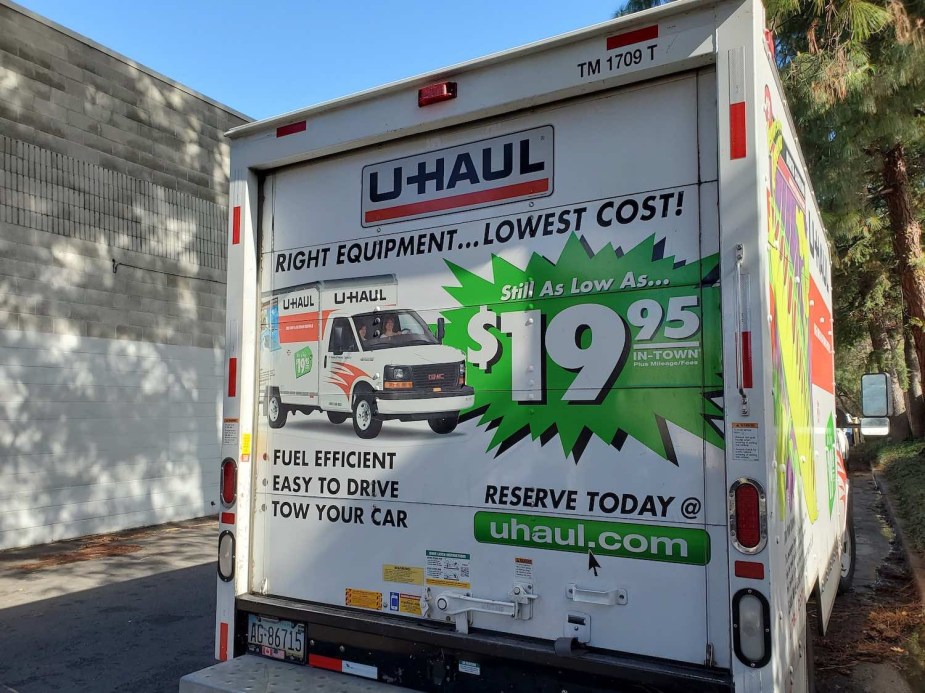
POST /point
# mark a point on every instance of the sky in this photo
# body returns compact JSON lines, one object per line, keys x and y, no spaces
{"x":267,"y":57}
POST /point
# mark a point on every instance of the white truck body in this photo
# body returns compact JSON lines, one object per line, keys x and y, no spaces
{"x":612,"y":238}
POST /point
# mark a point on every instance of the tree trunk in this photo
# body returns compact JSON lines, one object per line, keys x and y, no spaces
{"x":915,"y":402}
{"x":885,"y":361}
{"x":907,"y":245}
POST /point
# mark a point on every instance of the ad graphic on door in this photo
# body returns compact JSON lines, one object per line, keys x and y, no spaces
{"x":492,"y":399}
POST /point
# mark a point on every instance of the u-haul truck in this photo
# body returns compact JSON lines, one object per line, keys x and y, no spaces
{"x":611,"y":234}
{"x":345,"y":347}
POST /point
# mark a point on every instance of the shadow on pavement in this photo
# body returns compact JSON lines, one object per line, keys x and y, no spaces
{"x":138,"y":635}
{"x":130,"y":611}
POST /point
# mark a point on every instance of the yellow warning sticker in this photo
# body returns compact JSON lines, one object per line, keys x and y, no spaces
{"x":448,"y":583}
{"x":407,"y":574}
{"x":363,"y":599}
{"x":409,"y":604}
{"x":246,"y":444}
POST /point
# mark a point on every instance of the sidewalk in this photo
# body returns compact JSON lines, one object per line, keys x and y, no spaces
{"x":132,"y":611}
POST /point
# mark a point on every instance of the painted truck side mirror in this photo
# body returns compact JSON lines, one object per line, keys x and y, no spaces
{"x":441,"y":330}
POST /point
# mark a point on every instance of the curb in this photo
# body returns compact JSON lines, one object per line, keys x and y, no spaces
{"x":913,"y":558}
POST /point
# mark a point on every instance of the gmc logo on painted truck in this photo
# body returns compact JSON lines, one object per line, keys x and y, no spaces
{"x":502,"y":169}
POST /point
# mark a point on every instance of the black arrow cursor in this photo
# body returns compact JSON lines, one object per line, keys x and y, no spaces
{"x":592,"y":563}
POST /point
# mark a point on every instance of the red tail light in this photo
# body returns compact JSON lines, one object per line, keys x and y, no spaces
{"x":229,"y":484}
{"x":748,"y":516}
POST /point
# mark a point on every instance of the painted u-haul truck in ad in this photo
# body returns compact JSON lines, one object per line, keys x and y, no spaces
{"x":344,"y":347}
{"x":608,"y":245}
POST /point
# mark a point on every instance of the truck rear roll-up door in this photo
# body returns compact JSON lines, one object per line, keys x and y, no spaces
{"x":517,"y":441}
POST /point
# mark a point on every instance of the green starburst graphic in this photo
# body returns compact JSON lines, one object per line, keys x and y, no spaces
{"x":667,"y":367}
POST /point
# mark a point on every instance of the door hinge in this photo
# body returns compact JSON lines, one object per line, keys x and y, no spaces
{"x":710,"y":660}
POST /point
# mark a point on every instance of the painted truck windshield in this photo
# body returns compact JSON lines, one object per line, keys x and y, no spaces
{"x":389,"y":329}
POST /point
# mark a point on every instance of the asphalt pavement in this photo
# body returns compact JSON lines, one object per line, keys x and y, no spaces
{"x":132,"y":611}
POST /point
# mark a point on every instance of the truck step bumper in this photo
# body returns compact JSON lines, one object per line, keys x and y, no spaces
{"x":259,"y":675}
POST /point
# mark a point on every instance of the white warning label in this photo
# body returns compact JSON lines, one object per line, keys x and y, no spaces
{"x":447,"y":569}
{"x":745,"y":442}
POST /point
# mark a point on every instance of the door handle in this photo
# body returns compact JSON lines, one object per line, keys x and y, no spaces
{"x":609,"y":597}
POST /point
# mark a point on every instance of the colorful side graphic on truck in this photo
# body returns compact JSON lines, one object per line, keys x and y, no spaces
{"x":788,"y":254}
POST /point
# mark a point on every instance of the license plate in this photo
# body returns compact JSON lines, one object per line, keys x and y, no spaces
{"x":276,"y":638}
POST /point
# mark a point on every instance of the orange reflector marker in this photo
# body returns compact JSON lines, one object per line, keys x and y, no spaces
{"x":750,"y":570}
{"x":398,"y":385}
{"x":435,"y":93}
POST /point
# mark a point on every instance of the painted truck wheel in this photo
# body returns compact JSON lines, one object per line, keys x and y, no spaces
{"x":443,"y":425}
{"x":365,"y":423}
{"x":276,"y":411}
{"x":337,"y":417}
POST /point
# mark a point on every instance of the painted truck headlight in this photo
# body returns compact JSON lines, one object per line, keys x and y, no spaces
{"x":462,"y":373}
{"x":397,"y":378}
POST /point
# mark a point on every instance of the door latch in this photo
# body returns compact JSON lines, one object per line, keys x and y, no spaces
{"x":462,"y":605}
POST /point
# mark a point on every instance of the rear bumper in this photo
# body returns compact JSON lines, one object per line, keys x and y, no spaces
{"x":414,"y":403}
{"x":426,"y":656}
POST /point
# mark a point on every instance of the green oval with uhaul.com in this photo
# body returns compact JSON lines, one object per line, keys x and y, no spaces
{"x":619,"y":539}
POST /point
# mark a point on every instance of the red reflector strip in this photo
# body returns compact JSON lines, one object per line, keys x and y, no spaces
{"x":746,"y":359}
{"x":232,"y":377}
{"x":236,"y":226}
{"x":503,"y":193}
{"x":630,"y":37}
{"x":291,"y":129}
{"x":325,"y":662}
{"x":223,"y":642}
{"x":737,"y":139}
{"x":747,"y":569}
{"x":227,"y":518}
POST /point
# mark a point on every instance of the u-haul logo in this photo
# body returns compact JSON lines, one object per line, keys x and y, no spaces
{"x":480,"y":174}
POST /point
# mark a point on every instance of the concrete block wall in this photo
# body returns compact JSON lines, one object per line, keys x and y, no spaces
{"x":110,"y":381}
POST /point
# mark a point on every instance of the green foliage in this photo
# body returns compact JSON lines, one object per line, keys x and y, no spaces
{"x":854,"y":73}
{"x":903,"y":464}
